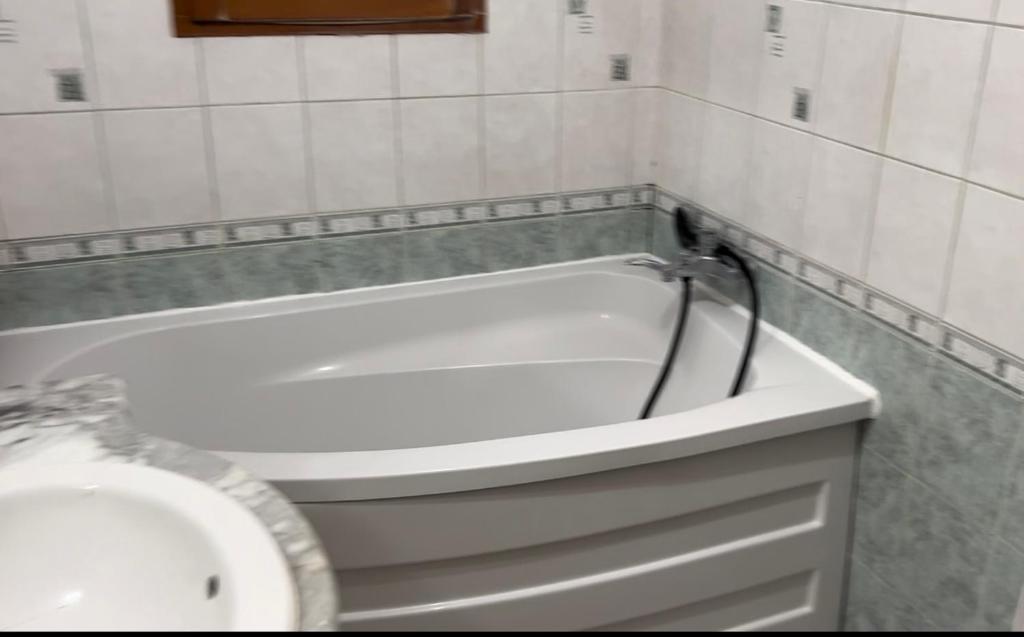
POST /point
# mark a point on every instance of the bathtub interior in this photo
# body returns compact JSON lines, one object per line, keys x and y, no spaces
{"x":501,"y":359}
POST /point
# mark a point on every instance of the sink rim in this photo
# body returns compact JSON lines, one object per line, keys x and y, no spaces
{"x":263,"y":596}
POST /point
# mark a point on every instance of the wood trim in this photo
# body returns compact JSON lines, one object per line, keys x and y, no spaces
{"x":195,"y":18}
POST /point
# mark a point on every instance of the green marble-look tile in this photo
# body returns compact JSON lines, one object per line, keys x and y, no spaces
{"x":362,"y":260}
{"x":663,"y":239}
{"x":777,"y":291}
{"x":968,"y":431}
{"x":262,"y":271}
{"x":824,"y":325}
{"x":872,"y":606}
{"x":1012,"y":526}
{"x":596,"y":234}
{"x":49,"y":296}
{"x":521,"y":244}
{"x":167,"y":282}
{"x":941,"y":560}
{"x":878,"y":535}
{"x":898,"y":368}
{"x":1001,"y":588}
{"x":437,"y":253}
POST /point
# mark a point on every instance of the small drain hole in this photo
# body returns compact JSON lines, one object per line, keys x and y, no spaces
{"x":212,"y":586}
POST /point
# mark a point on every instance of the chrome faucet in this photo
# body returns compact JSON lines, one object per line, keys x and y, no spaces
{"x":699,"y":254}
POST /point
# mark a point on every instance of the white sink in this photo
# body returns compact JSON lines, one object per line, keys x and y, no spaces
{"x":127,"y":547}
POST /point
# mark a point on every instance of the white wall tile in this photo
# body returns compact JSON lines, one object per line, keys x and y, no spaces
{"x":611,"y":27}
{"x":985,"y":292}
{"x":646,"y":67}
{"x":968,"y":9}
{"x":853,"y":99}
{"x":441,"y":149}
{"x":841,"y":201}
{"x":438,"y":64}
{"x":1011,"y":12}
{"x":260,"y":160}
{"x":521,"y":49}
{"x":139,"y":62}
{"x":999,"y":146}
{"x":347,"y":68}
{"x":252,"y":69}
{"x":725,"y":155}
{"x":592,"y":159}
{"x":48,"y":39}
{"x":685,"y":45}
{"x":647,"y":132}
{"x":158,"y":167}
{"x":879,"y":4}
{"x":780,"y":163}
{"x":736,"y":41}
{"x":680,"y":144}
{"x":521,"y":140}
{"x":50,"y":179}
{"x":354,"y":154}
{"x":936,"y":87}
{"x":791,"y":59}
{"x":912,"y":231}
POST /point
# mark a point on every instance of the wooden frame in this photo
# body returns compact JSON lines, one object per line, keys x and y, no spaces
{"x":214,"y":18}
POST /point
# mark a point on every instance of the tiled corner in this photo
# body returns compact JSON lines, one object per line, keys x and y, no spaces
{"x":679,"y":144}
{"x":686,"y":45}
{"x":735,"y":53}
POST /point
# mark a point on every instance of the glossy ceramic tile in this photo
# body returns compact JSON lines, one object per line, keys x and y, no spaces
{"x":790,"y":60}
{"x":521,"y":49}
{"x":48,"y":39}
{"x":353,"y":148}
{"x":908,"y":257}
{"x":874,"y":607}
{"x":50,"y":177}
{"x":967,"y":9}
{"x":1011,"y":526}
{"x":138,"y":62}
{"x":936,"y":88}
{"x":158,"y":167}
{"x":609,"y":27}
{"x":596,"y":161}
{"x":725,"y":156}
{"x":49,"y":296}
{"x":686,"y":45}
{"x":347,"y":68}
{"x":441,"y":150}
{"x":679,"y":144}
{"x":646,"y":132}
{"x":998,"y":154}
{"x":438,"y":64}
{"x":261,"y":166}
{"x":736,"y":53}
{"x":521,"y":143}
{"x":1011,"y":12}
{"x":360,"y":261}
{"x":780,"y":164}
{"x":824,"y":325}
{"x":880,"y":527}
{"x":841,"y":200}
{"x":983,"y":292}
{"x":1001,"y":588}
{"x":253,"y":69}
{"x":853,"y":99}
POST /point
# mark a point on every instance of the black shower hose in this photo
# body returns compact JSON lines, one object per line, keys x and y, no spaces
{"x":726,"y":254}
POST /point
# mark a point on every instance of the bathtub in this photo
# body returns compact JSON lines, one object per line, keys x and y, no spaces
{"x":469,"y":453}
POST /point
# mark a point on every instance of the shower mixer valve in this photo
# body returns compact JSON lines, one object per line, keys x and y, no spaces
{"x":702,"y":253}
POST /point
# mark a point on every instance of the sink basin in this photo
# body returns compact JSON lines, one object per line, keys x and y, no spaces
{"x":126,"y":547}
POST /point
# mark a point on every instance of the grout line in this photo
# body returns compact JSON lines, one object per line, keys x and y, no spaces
{"x":98,"y":123}
{"x":396,"y":113}
{"x":883,"y":145}
{"x":920,"y":14}
{"x":560,"y":39}
{"x":209,"y":147}
{"x":307,"y":124}
{"x":893,"y":590}
{"x":972,"y":136}
{"x":481,"y":116}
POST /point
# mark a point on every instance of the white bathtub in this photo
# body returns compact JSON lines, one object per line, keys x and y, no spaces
{"x":468,"y":452}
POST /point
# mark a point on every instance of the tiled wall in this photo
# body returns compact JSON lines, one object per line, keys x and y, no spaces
{"x":182,"y":131}
{"x":891,"y":219}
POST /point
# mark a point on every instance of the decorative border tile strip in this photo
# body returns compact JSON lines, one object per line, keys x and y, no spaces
{"x":996,"y":364}
{"x":48,"y":251}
